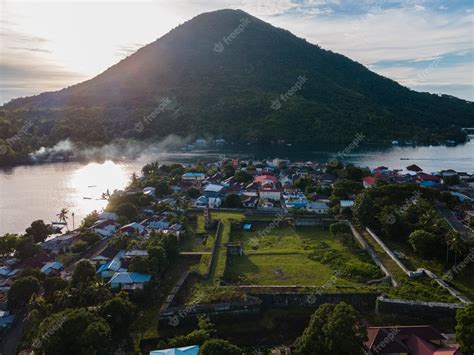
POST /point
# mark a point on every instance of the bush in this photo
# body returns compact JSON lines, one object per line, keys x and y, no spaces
{"x":339,"y":228}
{"x":79,"y":246}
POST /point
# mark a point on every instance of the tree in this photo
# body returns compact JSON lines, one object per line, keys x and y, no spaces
{"x":90,"y":219}
{"x":63,"y":215}
{"x":25,"y":248}
{"x":79,"y":246}
{"x":8,"y":244}
{"x":323,"y":334}
{"x":232,"y":201}
{"x":77,"y":330}
{"x":425,"y":243}
{"x":218,"y":347}
{"x":52,"y":284}
{"x":157,"y":258}
{"x":340,"y":227}
{"x":456,"y":244}
{"x":139,"y":264}
{"x":84,"y":273}
{"x":21,"y":291}
{"x":38,"y":231}
{"x":170,"y":243}
{"x":465,"y":328}
{"x":364,"y":209}
{"x":128,"y":210}
{"x":119,"y":313}
{"x":193,"y":192}
{"x":243,"y":177}
{"x":162,"y":188}
{"x":89,"y":237}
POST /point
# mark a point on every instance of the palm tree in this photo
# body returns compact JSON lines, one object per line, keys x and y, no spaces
{"x":63,"y":215}
{"x":456,"y":244}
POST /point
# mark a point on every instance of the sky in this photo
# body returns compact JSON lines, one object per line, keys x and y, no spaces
{"x":427,"y":45}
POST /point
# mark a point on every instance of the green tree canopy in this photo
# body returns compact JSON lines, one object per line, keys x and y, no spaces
{"x":84,"y":273}
{"x":327,"y":324}
{"x":219,"y":347}
{"x":38,"y":231}
{"x":465,"y":328}
{"x":76,"y":331}
{"x":21,"y":291}
{"x":232,"y":201}
{"x":364,"y":209}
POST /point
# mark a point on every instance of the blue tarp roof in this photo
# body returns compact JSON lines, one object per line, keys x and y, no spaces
{"x":247,"y":226}
{"x":187,"y":350}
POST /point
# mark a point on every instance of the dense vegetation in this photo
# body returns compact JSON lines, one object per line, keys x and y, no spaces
{"x":230,"y":94}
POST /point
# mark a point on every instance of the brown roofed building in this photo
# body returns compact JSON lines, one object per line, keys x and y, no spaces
{"x":408,"y":340}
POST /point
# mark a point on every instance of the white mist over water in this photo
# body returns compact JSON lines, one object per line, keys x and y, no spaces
{"x":35,"y":192}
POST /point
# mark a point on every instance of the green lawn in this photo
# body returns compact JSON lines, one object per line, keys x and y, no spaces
{"x":281,"y":257}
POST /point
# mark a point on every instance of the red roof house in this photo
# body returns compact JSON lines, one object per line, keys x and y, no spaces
{"x":368,"y":181}
{"x":413,"y":340}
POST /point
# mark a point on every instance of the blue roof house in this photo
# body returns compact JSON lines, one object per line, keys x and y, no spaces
{"x":53,"y":267}
{"x":108,"y":270}
{"x":187,"y":350}
{"x":129,"y":280}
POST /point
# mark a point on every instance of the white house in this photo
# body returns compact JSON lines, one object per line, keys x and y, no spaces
{"x":193,"y":177}
{"x":270,"y":194}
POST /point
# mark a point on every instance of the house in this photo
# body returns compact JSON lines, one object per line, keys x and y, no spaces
{"x":104,"y":227}
{"x":132,"y":229}
{"x":270,"y":194}
{"x":149,"y":191}
{"x":187,"y":350}
{"x":6,"y":272}
{"x":61,"y":244}
{"x":129,"y":280}
{"x":419,"y":340}
{"x":249,"y":201}
{"x":193,"y":176}
{"x":318,"y":207}
{"x":107,"y":254}
{"x":213,"y":190}
{"x":266,"y":181}
{"x":427,"y":177}
{"x":368,"y":181}
{"x":414,"y":167}
{"x":52,"y":268}
{"x":156,"y":222}
{"x":107,"y":270}
{"x":346,"y":203}
{"x":6,"y":320}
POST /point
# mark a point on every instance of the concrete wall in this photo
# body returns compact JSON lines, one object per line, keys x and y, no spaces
{"x":308,"y":299}
{"x":423,"y":310}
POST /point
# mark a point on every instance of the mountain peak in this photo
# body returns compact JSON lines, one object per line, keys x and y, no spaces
{"x":224,"y":70}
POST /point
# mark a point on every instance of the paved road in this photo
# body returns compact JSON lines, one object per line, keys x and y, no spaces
{"x":453,"y":221}
{"x":88,"y":254}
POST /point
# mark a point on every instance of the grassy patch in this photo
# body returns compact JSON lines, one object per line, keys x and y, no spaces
{"x":304,"y":256}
